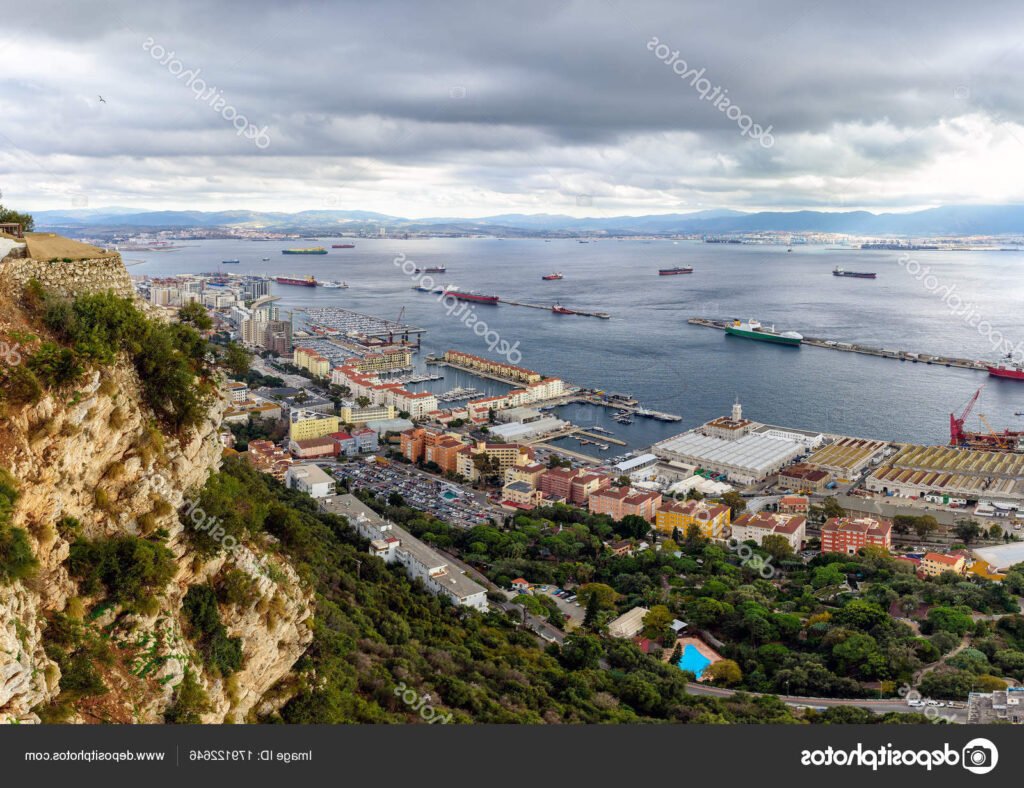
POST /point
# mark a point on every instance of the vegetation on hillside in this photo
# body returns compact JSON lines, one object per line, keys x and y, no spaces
{"x":375,"y":629}
{"x":171,"y":359}
{"x":841,"y":626}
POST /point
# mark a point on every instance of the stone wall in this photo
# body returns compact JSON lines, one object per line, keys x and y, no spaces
{"x":68,"y":279}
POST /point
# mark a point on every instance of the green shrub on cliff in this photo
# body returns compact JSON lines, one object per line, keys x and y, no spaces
{"x":128,"y":569}
{"x":16,"y":558}
{"x":219,"y":652}
{"x":170,"y":358}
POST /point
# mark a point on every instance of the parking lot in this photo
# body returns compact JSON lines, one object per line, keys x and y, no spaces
{"x":572,"y":609}
{"x":444,"y":500}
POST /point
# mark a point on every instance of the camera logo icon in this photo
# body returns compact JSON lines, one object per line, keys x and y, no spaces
{"x":980,"y":756}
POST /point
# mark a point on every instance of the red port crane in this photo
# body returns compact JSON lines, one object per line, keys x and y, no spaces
{"x":957,"y":434}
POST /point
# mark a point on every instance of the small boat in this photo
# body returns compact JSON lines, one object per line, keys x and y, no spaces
{"x":266,"y":259}
{"x":553,"y":277}
{"x":231,"y":262}
{"x":334,"y":285}
{"x":558,"y":309}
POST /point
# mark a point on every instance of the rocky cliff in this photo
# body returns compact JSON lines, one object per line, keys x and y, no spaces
{"x":94,"y":455}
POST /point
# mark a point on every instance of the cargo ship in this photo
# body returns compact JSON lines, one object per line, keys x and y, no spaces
{"x":231,"y":262}
{"x":837,"y":271}
{"x":434,"y":269}
{"x":310,"y":250}
{"x":475,"y":297}
{"x":552,"y":277}
{"x":686,"y":269}
{"x":308,"y":281}
{"x":558,"y":309}
{"x":754,"y":330}
{"x":343,"y":246}
{"x":1011,"y":371}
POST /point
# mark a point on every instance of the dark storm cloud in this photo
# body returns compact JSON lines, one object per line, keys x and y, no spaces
{"x":540,"y":97}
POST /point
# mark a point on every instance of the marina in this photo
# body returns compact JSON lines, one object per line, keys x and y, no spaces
{"x":329,"y":320}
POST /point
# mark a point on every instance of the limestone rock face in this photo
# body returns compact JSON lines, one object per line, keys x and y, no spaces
{"x":94,"y":455}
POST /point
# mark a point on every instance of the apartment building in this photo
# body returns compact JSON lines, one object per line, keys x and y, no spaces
{"x":305,"y":424}
{"x":755,"y":527}
{"x":711,"y":518}
{"x":849,"y":534}
{"x":394,"y":545}
{"x":619,"y":502}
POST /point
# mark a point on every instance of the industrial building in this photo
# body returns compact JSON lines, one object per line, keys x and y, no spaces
{"x":748,"y":459}
{"x":967,"y":473}
{"x":847,"y":458}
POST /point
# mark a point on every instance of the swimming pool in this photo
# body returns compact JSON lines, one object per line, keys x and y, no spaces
{"x":448,"y":495}
{"x":693,"y":660}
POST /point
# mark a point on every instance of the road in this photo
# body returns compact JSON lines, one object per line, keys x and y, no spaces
{"x":955,"y":715}
{"x":538,"y":626}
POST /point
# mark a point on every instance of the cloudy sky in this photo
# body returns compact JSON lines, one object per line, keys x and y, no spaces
{"x":469,"y":109}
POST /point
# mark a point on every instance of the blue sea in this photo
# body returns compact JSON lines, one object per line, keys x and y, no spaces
{"x":648,"y":349}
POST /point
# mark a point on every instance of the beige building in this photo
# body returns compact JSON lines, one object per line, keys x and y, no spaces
{"x":629,"y":624}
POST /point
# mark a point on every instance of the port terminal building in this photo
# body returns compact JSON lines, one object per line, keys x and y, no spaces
{"x":732,"y":446}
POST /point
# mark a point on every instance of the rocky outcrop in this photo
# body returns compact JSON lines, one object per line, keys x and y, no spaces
{"x":95,"y":455}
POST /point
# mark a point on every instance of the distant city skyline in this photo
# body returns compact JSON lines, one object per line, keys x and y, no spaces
{"x":587,"y":110}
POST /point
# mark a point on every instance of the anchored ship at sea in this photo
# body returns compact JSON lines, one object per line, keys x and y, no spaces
{"x":307,"y":281}
{"x":1006,"y":368}
{"x":837,"y":271}
{"x":752,"y":329}
{"x":343,"y":246}
{"x":683,"y":269}
{"x":310,"y":250}
{"x":475,"y":297}
{"x":434,"y":269}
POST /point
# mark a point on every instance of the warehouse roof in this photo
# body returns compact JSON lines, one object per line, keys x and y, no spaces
{"x":754,"y":452}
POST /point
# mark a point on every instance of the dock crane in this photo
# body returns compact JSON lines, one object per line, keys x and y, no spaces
{"x":398,"y":322}
{"x":998,"y":439}
{"x":957,"y":434}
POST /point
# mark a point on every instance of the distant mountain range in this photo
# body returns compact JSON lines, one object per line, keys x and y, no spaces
{"x":953,"y":220}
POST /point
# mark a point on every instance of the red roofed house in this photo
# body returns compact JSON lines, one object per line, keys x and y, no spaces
{"x":794,"y":504}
